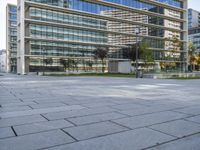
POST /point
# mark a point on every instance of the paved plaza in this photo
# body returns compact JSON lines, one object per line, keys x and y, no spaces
{"x":98,"y":113}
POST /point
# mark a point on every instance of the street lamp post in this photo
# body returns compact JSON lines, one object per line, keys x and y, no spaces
{"x":43,"y":50}
{"x":137,"y":31}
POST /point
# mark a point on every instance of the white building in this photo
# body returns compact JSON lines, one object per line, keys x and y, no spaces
{"x":11,"y":37}
{"x":3,"y":60}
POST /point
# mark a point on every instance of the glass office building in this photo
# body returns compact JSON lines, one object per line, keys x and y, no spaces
{"x":194,"y":37}
{"x":11,"y":38}
{"x":76,"y":28}
{"x":193,"y":18}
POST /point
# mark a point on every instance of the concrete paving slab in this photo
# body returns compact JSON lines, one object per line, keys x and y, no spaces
{"x":94,"y":130}
{"x":195,"y":110}
{"x":139,"y":111}
{"x":129,"y":106}
{"x":41,"y":126}
{"x":98,"y":104}
{"x":96,"y":118}
{"x":143,"y":102}
{"x":77,"y":113}
{"x":35,"y":141}
{"x":18,"y":104}
{"x":178,"y":128}
{"x":14,"y":108}
{"x":46,"y":105}
{"x":21,"y":120}
{"x":149,"y":119}
{"x":39,"y":111}
{"x":194,"y":119}
{"x":188,"y":143}
{"x":129,"y":140}
{"x":6,"y":132}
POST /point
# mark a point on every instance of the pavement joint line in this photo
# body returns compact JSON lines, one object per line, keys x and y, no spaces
{"x":30,"y":106}
{"x":143,"y":114}
{"x":14,"y":131}
{"x":70,"y":122}
{"x":185,"y":113}
{"x":40,"y":131}
{"x":152,"y":113}
{"x":171,"y":141}
{"x":149,"y":127}
{"x":33,"y":133}
{"x":146,"y":126}
{"x":95,"y":121}
{"x":122,"y":113}
{"x":23,"y":123}
{"x":76,"y":140}
{"x":86,"y":139}
{"x":45,"y":117}
{"x":34,"y":112}
{"x":120,"y":125}
{"x":198,"y":123}
{"x":64,"y":103}
{"x":128,"y":129}
{"x":21,"y":100}
{"x":104,"y":135}
{"x":30,"y":88}
{"x":81,"y":115}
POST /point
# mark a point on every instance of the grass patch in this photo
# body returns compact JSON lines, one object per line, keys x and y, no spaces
{"x":185,"y":78}
{"x":95,"y":75}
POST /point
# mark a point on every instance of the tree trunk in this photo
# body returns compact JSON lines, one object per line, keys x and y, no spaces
{"x":102,"y":66}
{"x":96,"y":66}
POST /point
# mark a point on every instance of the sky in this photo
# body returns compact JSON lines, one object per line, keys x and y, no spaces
{"x":194,"y":4}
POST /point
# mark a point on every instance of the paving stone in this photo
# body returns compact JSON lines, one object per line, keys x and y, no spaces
{"x":7,"y":101}
{"x":77,"y":113}
{"x":188,"y":143}
{"x":129,"y":106}
{"x":39,"y":111}
{"x":41,"y":126}
{"x":45,"y":105}
{"x":48,"y":99}
{"x":14,"y":108}
{"x":95,"y":118}
{"x":21,"y":120}
{"x":6,"y":132}
{"x":194,"y":119}
{"x":139,"y":111}
{"x":195,"y":110}
{"x":149,"y":119}
{"x":35,"y":141}
{"x":8,"y":97}
{"x":178,"y":128}
{"x":94,"y":130}
{"x":18,"y":104}
{"x":130,"y":96}
{"x":128,"y":140}
{"x":98,"y":104}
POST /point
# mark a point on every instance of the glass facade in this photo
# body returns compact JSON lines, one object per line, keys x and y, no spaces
{"x":12,"y":38}
{"x":193,"y":18}
{"x":76,"y":28}
{"x":194,"y":37}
